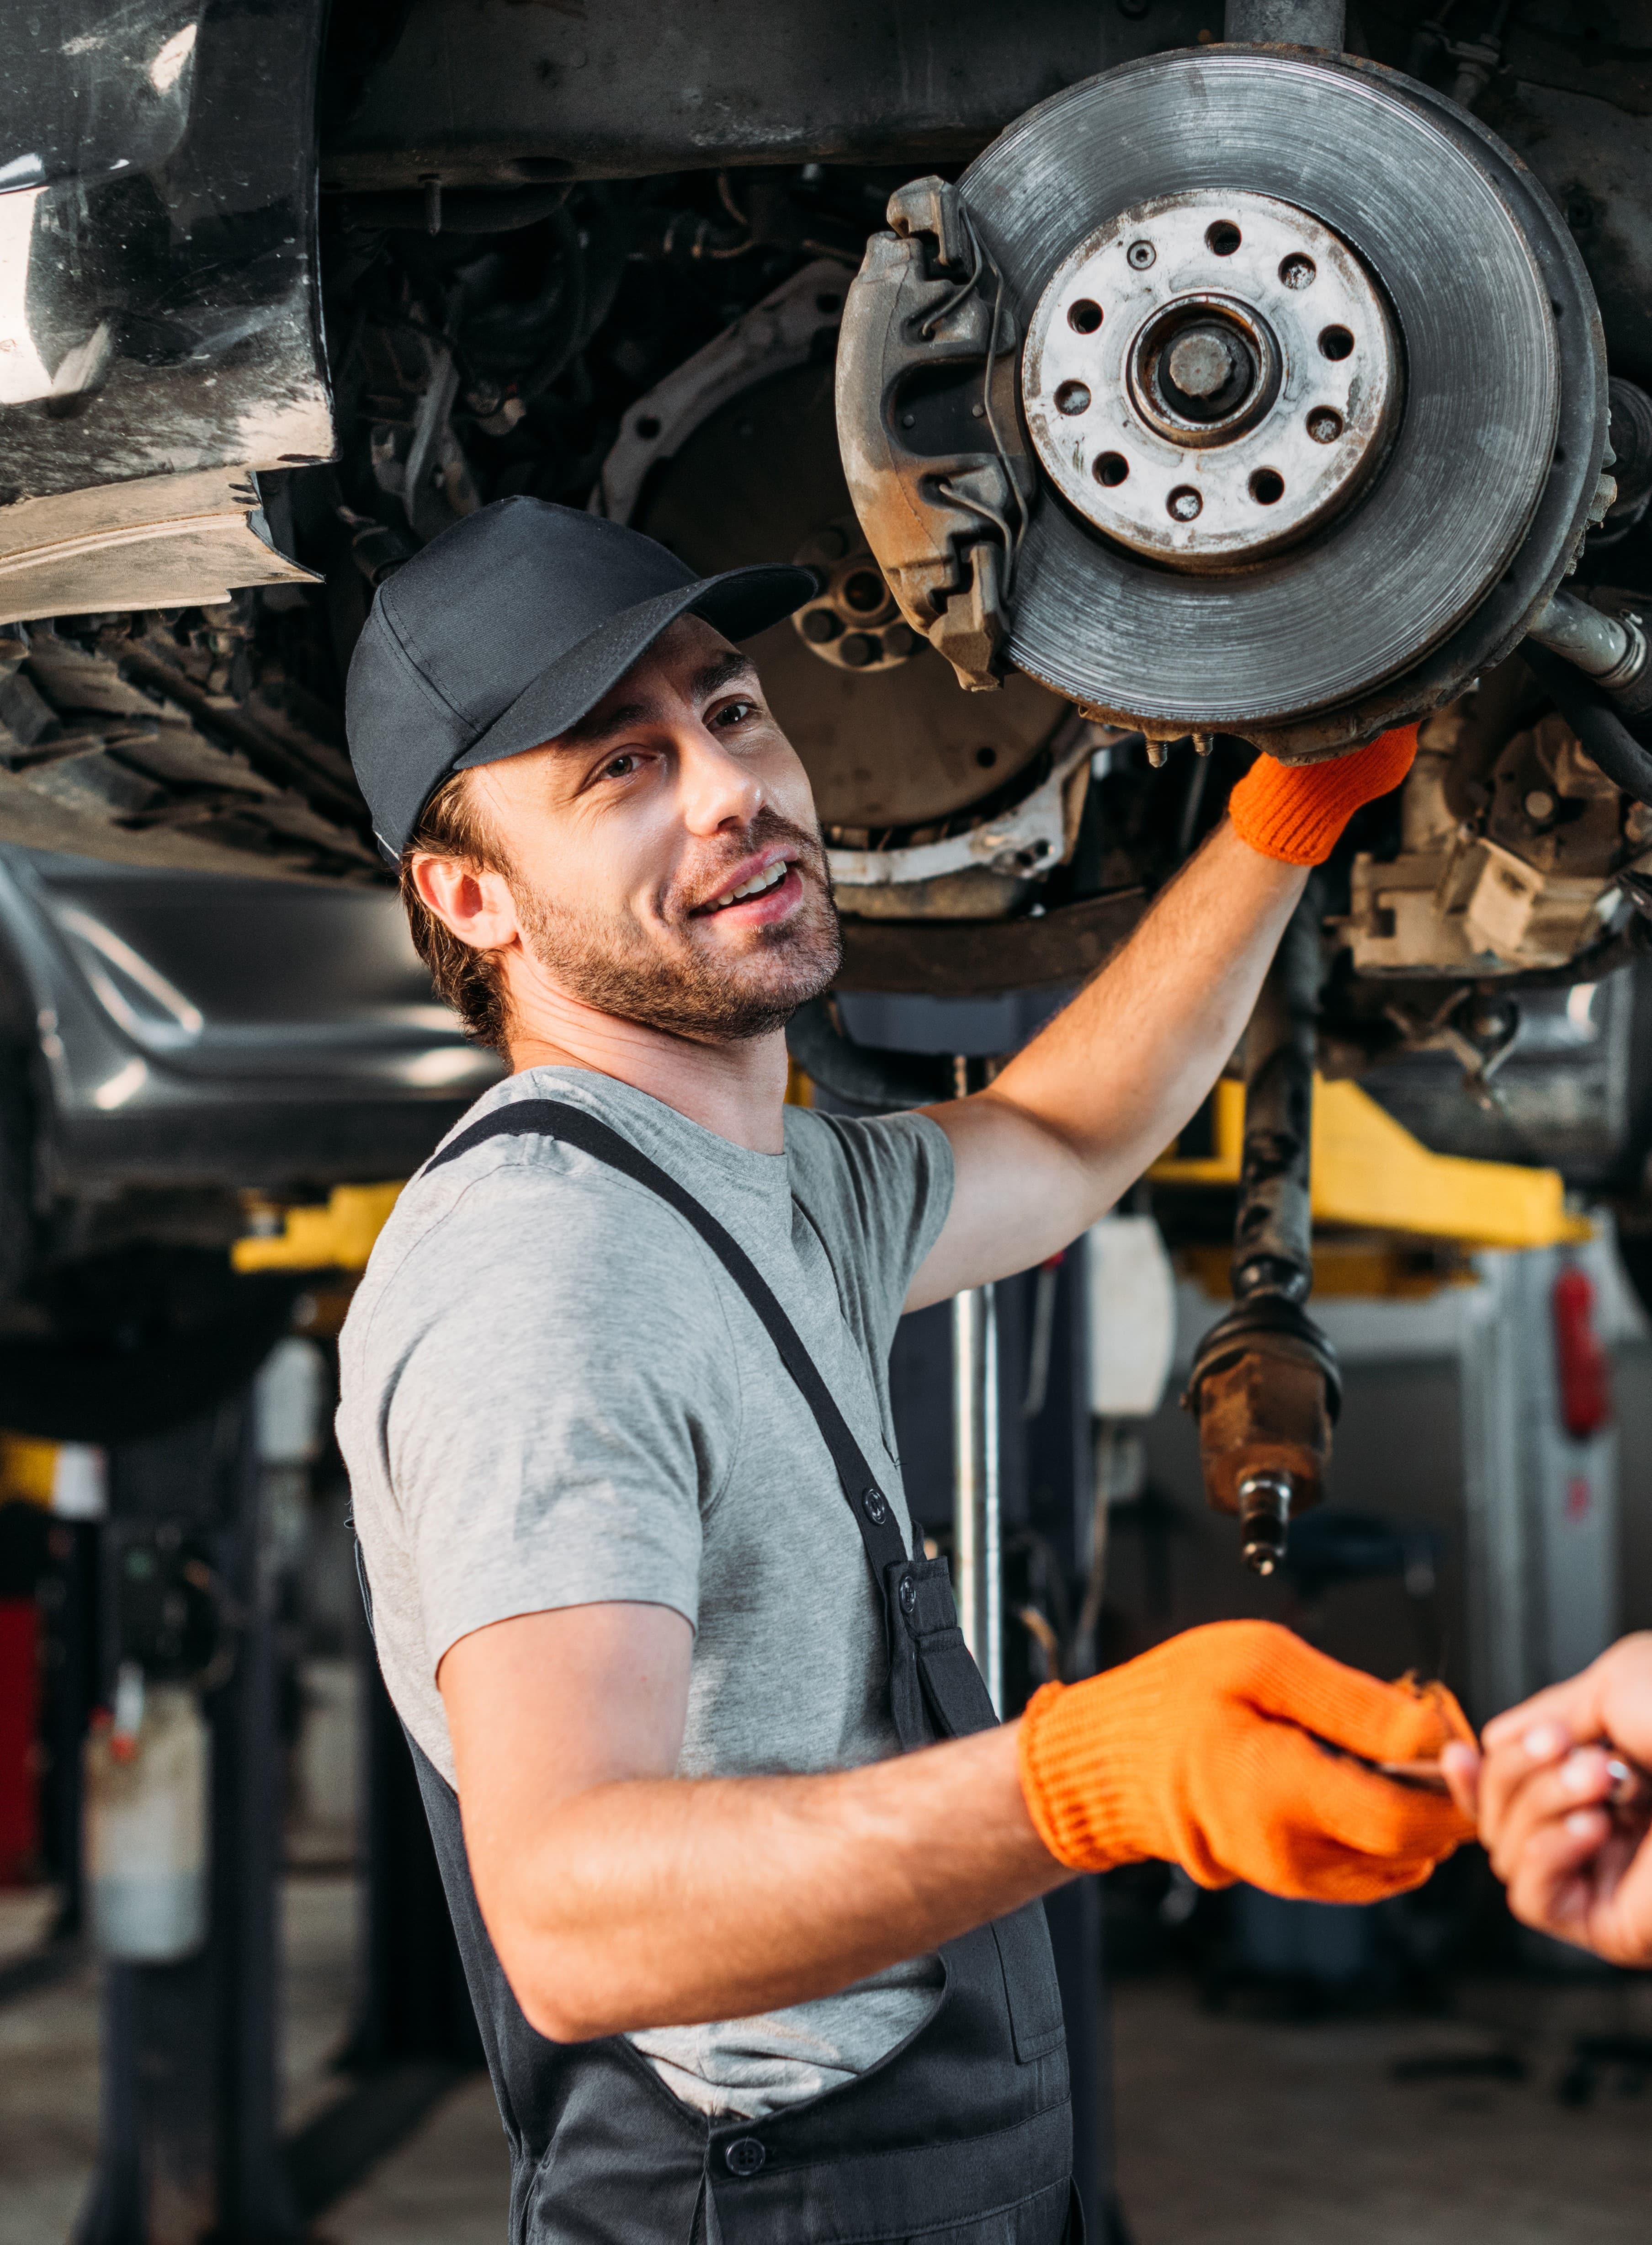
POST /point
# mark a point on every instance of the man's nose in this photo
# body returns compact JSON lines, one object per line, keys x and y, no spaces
{"x":718,"y":789}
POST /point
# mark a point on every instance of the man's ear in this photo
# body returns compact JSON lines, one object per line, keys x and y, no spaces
{"x":473,"y":901}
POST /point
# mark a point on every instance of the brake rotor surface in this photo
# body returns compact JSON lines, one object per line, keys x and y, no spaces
{"x":1443,"y":504}
{"x":888,"y":742}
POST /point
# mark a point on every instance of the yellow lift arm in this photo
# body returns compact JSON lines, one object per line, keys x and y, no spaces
{"x":1370,"y":1174}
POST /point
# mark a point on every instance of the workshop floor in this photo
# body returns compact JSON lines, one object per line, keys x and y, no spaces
{"x":1233,"y":2130}
{"x":1241,"y":2131}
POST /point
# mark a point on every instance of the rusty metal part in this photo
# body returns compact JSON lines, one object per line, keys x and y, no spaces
{"x":790,"y":327}
{"x":982,"y":958}
{"x":1514,"y":857}
{"x":1264,"y":1384}
{"x":1265,"y":1389}
{"x":628,"y":91}
{"x":1218,"y":401}
{"x":1292,"y":22}
{"x":928,"y":427}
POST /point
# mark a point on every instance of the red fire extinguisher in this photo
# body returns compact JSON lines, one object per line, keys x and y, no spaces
{"x":1583,"y":1371}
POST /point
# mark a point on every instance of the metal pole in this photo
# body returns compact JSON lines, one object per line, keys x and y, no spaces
{"x":966,"y":1460}
{"x":992,"y":1515}
{"x":977,"y":1575}
{"x":189,"y":2140}
{"x":1273,"y":1236}
{"x":976,"y":1537}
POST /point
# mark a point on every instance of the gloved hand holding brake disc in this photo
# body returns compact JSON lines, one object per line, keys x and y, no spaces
{"x":1296,"y":812}
{"x":1236,"y":1751}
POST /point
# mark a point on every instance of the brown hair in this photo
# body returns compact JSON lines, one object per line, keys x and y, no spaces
{"x":470,"y":980}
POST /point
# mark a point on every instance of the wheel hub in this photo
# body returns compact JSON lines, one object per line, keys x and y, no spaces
{"x":1210,"y":376}
{"x":1311,"y":396}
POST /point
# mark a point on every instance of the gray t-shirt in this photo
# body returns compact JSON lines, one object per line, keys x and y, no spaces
{"x":552,"y":1395}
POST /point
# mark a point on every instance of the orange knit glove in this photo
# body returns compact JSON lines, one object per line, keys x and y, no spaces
{"x":1207,"y":1752}
{"x":1296,"y":812}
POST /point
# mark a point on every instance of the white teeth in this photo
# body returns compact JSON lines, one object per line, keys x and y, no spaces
{"x":755,"y":886}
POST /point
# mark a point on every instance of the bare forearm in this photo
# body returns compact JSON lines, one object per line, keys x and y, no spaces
{"x":663,"y":1902}
{"x":1119,"y":1072}
{"x":1076,"y":1117}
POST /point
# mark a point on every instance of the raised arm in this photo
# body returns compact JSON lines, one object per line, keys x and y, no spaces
{"x":1079,"y":1114}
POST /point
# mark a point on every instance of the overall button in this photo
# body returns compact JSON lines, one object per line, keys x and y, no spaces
{"x":744,"y":2156}
{"x":907,"y":1594}
{"x":873,"y":1507}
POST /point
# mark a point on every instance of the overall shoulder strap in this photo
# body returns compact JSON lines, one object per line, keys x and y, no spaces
{"x":575,"y":1126}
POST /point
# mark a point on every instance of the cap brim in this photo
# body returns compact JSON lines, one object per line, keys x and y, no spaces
{"x":738,"y":603}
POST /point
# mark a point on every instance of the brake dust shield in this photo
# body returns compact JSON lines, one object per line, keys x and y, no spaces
{"x":1242,"y":389}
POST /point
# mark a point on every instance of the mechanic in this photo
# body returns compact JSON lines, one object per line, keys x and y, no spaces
{"x":748,"y":1876}
{"x":1576,"y":1867}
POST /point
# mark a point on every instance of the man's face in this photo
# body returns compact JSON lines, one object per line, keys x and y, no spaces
{"x":663,"y":855}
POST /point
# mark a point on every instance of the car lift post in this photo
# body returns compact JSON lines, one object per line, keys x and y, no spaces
{"x":1059,"y":1481}
{"x":977,"y":1566}
{"x":997,"y":1441}
{"x":188,"y":2136}
{"x":977,"y":1555}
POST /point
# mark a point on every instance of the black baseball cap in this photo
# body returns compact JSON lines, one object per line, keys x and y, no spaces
{"x":510,"y":627}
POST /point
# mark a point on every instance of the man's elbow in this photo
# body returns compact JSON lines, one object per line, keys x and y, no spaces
{"x":559,"y":1989}
{"x":549,"y":2014}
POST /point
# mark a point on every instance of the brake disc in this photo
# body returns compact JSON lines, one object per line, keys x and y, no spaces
{"x":1289,"y":399}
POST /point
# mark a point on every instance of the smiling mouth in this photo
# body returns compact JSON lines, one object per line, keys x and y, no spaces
{"x":770,"y":878}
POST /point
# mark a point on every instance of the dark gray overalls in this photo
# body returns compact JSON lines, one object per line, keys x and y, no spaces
{"x":960,"y":2136}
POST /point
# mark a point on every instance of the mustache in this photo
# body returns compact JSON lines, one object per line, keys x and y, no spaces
{"x":709,"y":878}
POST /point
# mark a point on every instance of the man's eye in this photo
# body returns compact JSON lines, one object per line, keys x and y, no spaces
{"x":735,"y":713}
{"x":621,"y":767}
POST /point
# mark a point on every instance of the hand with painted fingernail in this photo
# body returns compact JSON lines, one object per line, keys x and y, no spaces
{"x":1546,"y":1791}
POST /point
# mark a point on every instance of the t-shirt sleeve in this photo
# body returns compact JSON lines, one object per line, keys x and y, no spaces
{"x":878,"y":1189}
{"x":551,"y":1441}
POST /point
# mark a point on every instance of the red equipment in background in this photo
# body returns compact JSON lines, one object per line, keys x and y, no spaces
{"x":19,"y":1736}
{"x":1583,"y":1370}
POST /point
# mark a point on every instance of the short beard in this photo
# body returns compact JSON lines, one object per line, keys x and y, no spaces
{"x":620,"y":970}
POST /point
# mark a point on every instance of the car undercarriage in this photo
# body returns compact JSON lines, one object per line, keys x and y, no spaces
{"x":1145,"y":388}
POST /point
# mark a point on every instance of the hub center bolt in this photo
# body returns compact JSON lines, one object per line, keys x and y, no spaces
{"x":1200,"y":362}
{"x":1207,"y":372}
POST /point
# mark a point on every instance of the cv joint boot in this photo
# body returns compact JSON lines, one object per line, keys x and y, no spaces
{"x":1265,"y":1389}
